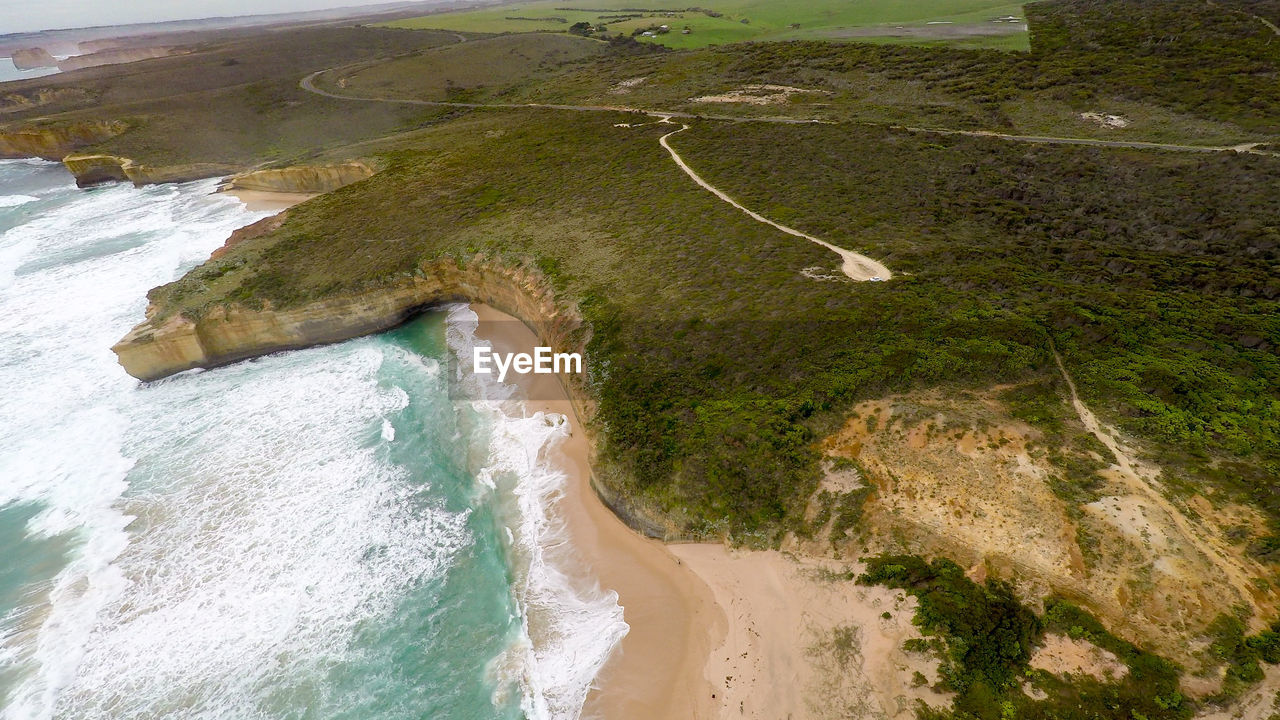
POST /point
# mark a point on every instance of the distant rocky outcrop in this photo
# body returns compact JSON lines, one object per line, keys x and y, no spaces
{"x":33,"y":59}
{"x":29,"y":98}
{"x":55,"y":142}
{"x":303,"y":178}
{"x":114,"y":56}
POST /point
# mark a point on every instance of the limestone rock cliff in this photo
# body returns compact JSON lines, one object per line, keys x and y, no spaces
{"x":55,"y":142}
{"x":95,"y":169}
{"x":114,"y":56}
{"x":303,"y":178}
{"x":160,"y":346}
{"x":92,"y":169}
{"x":33,"y":58}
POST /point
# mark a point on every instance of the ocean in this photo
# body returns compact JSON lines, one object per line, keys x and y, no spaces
{"x":326,"y":533}
{"x":9,"y":71}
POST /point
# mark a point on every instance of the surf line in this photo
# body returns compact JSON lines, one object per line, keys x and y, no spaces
{"x":854,"y":265}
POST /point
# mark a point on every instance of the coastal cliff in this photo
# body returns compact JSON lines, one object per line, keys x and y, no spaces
{"x":162,"y":346}
{"x":92,"y":169}
{"x":303,"y":178}
{"x":56,"y":142}
{"x":114,"y":56}
{"x":33,"y":59}
{"x":95,"y":168}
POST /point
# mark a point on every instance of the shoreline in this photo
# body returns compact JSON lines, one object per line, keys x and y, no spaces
{"x":263,"y":201}
{"x":657,"y":670}
{"x":718,"y":633}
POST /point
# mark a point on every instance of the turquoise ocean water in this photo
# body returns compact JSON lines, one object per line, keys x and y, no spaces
{"x":316,"y":534}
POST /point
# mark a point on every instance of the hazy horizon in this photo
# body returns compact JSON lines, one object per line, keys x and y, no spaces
{"x":25,"y":16}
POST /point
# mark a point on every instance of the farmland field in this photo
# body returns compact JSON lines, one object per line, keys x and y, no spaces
{"x":922,"y":22}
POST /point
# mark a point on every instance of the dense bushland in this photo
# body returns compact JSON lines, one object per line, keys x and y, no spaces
{"x":1160,"y":291}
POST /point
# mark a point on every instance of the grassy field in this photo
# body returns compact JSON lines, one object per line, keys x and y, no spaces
{"x":1210,"y":79}
{"x":466,"y":71}
{"x":961,"y":22}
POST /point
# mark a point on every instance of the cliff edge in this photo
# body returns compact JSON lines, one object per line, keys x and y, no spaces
{"x":166,"y":344}
{"x":56,"y":142}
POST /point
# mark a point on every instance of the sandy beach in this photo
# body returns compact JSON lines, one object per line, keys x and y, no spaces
{"x":718,"y":633}
{"x":657,"y":671}
{"x":260,"y":201}
{"x":805,"y":642}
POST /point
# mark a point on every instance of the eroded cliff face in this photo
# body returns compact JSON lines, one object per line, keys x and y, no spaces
{"x":92,"y":169}
{"x":114,"y":56}
{"x":55,"y":143}
{"x":303,"y":178}
{"x":33,"y":58}
{"x":160,"y":347}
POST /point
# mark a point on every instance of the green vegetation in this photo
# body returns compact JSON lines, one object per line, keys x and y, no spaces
{"x":729,"y":21}
{"x":1241,"y":653}
{"x":465,"y":71}
{"x":720,"y":365}
{"x":1177,"y":71}
{"x":988,"y":638}
{"x":997,"y":253}
{"x":988,"y":632}
{"x":1156,"y":318}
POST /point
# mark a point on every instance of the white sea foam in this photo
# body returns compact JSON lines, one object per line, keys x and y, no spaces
{"x":65,"y":409}
{"x":232,"y":528}
{"x":570,"y":624}
{"x":273,"y":531}
{"x":16,"y":200}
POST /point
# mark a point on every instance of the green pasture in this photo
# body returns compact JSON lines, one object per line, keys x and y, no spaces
{"x":922,"y":22}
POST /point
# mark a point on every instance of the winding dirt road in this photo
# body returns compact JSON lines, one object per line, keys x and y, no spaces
{"x":854,"y":265}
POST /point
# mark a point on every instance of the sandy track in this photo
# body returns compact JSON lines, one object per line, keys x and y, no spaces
{"x":855,"y":265}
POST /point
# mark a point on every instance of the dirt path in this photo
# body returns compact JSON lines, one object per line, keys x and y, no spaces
{"x":855,"y":265}
{"x":308,"y":84}
{"x":1140,"y":479}
{"x":1250,"y":148}
{"x":1270,"y":25}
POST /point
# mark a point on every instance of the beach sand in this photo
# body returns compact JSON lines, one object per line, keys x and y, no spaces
{"x":657,"y":670}
{"x":259,"y":201}
{"x":718,"y":633}
{"x":804,"y":642}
